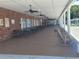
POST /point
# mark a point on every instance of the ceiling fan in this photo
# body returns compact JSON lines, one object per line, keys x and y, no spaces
{"x":31,"y":10}
{"x":41,"y":15}
{"x":34,"y":11}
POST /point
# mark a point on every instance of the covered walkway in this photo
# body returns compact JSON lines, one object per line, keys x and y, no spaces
{"x":44,"y":42}
{"x":31,"y":21}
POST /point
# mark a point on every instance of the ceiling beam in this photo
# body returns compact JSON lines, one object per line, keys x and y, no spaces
{"x":69,"y":2}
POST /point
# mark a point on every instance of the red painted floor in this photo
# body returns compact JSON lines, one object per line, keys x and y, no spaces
{"x":44,"y":42}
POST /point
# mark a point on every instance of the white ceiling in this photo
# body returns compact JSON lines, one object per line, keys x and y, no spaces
{"x":50,"y":8}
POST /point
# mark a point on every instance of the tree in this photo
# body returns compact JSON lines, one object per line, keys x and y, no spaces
{"x":74,"y":11}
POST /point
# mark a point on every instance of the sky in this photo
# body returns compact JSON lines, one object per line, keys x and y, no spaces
{"x":77,"y":3}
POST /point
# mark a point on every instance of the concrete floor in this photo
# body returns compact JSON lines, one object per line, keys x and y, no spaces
{"x":75,"y":31}
{"x":44,"y":43}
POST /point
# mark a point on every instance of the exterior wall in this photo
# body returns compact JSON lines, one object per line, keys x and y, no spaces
{"x":7,"y":16}
{"x":12,"y":22}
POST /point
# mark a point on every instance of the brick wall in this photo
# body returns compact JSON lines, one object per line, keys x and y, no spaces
{"x":5,"y":32}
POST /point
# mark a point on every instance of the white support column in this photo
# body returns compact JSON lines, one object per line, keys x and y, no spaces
{"x":61,"y":21}
{"x":64,"y":20}
{"x":68,"y":19}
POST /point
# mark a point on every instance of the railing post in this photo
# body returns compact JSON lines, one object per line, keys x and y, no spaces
{"x":68,"y":19}
{"x":64,"y":20}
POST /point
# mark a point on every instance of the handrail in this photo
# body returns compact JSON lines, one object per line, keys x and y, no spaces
{"x":63,"y":35}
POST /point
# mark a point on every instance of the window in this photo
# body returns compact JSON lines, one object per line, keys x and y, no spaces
{"x":23,"y":23}
{"x":1,"y":22}
{"x":29,"y":23}
{"x":13,"y":21}
{"x":7,"y":24}
{"x":34,"y":23}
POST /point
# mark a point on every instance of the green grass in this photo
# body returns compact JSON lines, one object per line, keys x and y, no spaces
{"x":75,"y":24}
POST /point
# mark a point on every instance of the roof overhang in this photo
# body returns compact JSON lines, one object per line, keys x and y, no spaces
{"x":51,"y":8}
